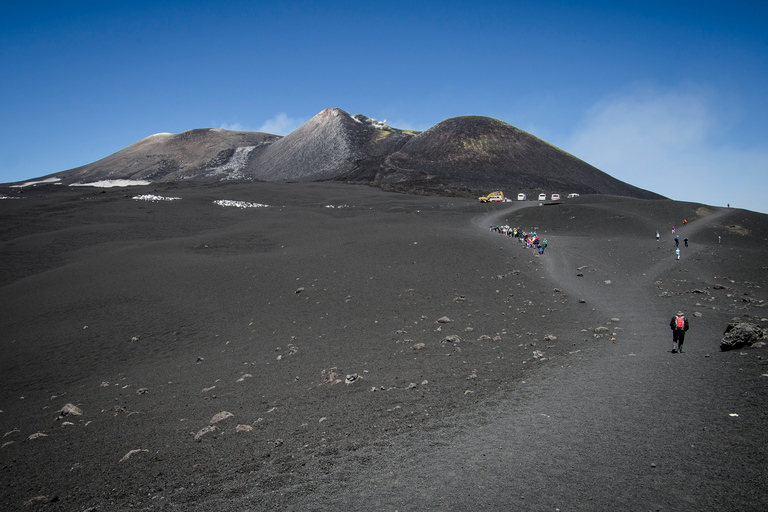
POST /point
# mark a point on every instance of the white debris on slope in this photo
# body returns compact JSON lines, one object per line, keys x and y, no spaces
{"x":239,"y":204}
{"x":234,"y":165}
{"x":154,"y":198}
{"x":112,"y":183}
{"x":30,"y":183}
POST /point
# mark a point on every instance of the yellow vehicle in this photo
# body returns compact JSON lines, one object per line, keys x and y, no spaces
{"x":493,"y":197}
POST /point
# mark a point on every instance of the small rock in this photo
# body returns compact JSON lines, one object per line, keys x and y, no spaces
{"x":223,"y":415}
{"x":142,"y":391}
{"x":443,"y":320}
{"x":243,"y":428}
{"x":331,"y":376}
{"x":37,"y":435}
{"x":131,"y":453}
{"x":353,"y":377}
{"x":452,"y":338}
{"x":299,"y":289}
{"x":70,"y":409}
{"x":418,"y":346}
{"x":205,"y":430}
{"x":40,"y":500}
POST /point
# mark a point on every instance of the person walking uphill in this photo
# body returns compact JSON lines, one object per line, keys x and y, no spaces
{"x":678,"y":324}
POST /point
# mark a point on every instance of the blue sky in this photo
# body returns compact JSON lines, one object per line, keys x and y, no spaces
{"x":668,"y":96}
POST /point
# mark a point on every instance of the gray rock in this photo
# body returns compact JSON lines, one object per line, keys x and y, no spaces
{"x":741,"y":334}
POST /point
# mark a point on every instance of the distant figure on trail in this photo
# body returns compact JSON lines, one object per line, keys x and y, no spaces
{"x":685,"y":241}
{"x":677,"y":253}
{"x":685,"y":221}
{"x":673,"y":230}
{"x":678,"y":324}
{"x":657,"y":235}
{"x":677,"y":241}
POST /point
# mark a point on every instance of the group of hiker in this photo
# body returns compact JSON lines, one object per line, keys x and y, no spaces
{"x":530,"y":239}
{"x":677,"y":239}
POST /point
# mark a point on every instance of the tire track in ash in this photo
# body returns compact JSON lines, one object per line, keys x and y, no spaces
{"x":624,"y":427}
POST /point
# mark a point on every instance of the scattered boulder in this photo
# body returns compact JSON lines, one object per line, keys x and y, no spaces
{"x":741,"y":334}
{"x":223,"y":415}
{"x":451,"y":338}
{"x":131,"y":453}
{"x":70,"y":410}
{"x":331,"y":376}
{"x":443,"y":320}
{"x":205,"y":430}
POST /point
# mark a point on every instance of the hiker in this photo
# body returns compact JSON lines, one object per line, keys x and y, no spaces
{"x":677,"y":253}
{"x":685,"y":221}
{"x":657,"y":235}
{"x":677,"y":241}
{"x":685,"y":241}
{"x":678,"y":324}
{"x":673,"y":230}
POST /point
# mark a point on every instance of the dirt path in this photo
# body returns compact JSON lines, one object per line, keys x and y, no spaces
{"x":628,"y":426}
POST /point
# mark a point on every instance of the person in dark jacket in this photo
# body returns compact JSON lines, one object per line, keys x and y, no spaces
{"x":678,"y":324}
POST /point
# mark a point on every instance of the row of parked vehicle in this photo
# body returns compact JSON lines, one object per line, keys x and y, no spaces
{"x":498,"y":197}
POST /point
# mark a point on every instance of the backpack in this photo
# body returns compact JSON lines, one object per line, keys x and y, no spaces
{"x":680,"y":323}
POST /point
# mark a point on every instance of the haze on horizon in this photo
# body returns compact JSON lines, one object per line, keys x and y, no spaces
{"x":666,"y":97}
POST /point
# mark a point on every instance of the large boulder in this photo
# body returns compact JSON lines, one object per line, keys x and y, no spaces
{"x":741,"y":334}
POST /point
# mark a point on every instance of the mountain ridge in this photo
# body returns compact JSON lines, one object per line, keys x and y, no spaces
{"x":460,"y":156}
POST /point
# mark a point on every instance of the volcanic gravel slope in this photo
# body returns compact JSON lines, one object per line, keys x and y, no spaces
{"x":481,"y":153}
{"x":294,"y":356}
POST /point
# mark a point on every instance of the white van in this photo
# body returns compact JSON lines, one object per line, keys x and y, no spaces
{"x":572,"y":195}
{"x":521,"y":197}
{"x":555,"y":197}
{"x":542,"y":197}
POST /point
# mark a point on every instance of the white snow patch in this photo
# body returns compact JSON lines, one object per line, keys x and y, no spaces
{"x":112,"y":183}
{"x":239,"y":204}
{"x":30,"y":183}
{"x":337,"y":206}
{"x":154,"y":198}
